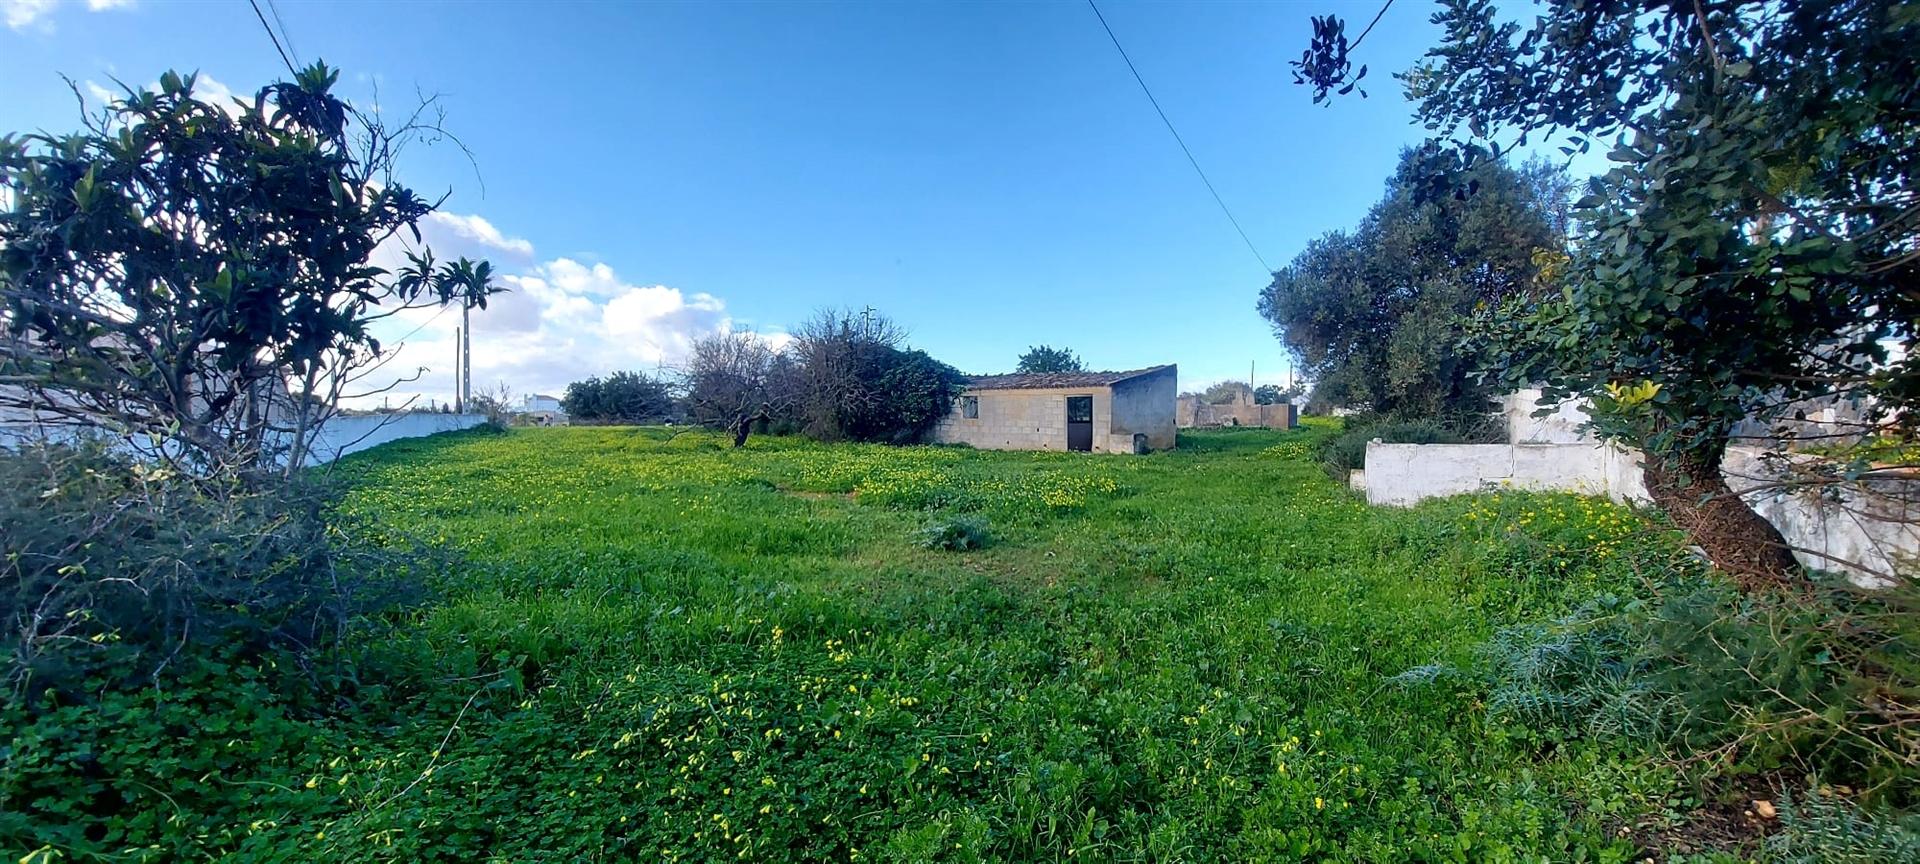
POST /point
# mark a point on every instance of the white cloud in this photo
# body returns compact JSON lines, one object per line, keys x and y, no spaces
{"x":560,"y":320}
{"x":21,"y":14}
{"x":479,"y":230}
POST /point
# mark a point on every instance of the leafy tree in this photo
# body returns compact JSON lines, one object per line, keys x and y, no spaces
{"x":1374,"y":314}
{"x":858,"y":384}
{"x":1226,"y":392}
{"x":1756,"y":244}
{"x":628,"y":398}
{"x":1274,"y":394}
{"x":1042,"y":358}
{"x":198,"y":272}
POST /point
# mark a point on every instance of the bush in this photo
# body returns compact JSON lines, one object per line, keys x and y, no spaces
{"x":957,"y":535}
{"x":1822,"y":681}
{"x":1823,"y":829}
{"x":115,"y":569}
{"x":1348,"y":450}
{"x":857,"y":383}
{"x":170,"y":643}
{"x":623,"y":398}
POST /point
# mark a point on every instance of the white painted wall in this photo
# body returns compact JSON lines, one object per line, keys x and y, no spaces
{"x":1406,"y":474}
{"x":1843,"y":528}
{"x":1560,"y":427}
{"x":341,"y":436}
{"x":1848,"y":530}
{"x":344,"y":435}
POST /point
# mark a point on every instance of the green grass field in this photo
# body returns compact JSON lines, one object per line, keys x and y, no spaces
{"x":660,"y":648}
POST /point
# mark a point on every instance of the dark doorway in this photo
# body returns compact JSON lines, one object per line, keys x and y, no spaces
{"x":1080,"y":423}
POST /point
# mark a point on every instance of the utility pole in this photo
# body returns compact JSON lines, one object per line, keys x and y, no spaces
{"x":466,"y":355}
{"x":458,"y":405}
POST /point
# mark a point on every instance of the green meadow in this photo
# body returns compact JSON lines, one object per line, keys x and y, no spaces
{"x":652,"y":646}
{"x":659,"y":647}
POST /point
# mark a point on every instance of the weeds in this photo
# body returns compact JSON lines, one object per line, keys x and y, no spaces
{"x":957,"y":534}
{"x":663,"y":648}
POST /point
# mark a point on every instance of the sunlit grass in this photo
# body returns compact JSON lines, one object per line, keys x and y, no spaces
{"x":666,"y":649}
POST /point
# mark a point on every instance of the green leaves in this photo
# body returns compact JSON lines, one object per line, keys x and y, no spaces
{"x":1374,"y":316}
{"x":1753,"y":220}
{"x":234,"y":247}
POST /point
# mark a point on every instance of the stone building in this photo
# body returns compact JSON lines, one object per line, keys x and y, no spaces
{"x":1195,"y":411}
{"x":1102,"y":412}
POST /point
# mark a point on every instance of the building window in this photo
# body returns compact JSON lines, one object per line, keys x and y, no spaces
{"x":970,"y":407}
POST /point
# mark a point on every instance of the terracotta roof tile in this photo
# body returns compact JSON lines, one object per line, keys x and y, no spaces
{"x":1054,"y":380}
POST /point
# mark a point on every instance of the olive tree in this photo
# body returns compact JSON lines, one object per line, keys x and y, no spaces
{"x":1374,"y":314}
{"x":1756,"y":243}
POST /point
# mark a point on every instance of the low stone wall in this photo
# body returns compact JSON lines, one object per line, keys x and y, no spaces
{"x":1195,"y":412}
{"x":1863,"y":532}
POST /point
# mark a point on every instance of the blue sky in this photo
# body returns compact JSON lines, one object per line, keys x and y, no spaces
{"x":986,"y":173}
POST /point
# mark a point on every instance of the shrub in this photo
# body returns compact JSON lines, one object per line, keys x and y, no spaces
{"x":1348,"y":450}
{"x":1823,"y":829}
{"x":1821,"y":681}
{"x":958,"y":534}
{"x":169,"y":639}
{"x":858,"y":384}
{"x":623,"y":398}
{"x":115,"y":568}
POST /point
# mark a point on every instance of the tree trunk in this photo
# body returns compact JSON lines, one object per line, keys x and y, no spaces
{"x":743,"y":425}
{"x":1688,"y":485}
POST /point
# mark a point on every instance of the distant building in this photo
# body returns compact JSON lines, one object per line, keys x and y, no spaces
{"x":540,"y":410}
{"x":1104,"y":412}
{"x":1196,"y":411}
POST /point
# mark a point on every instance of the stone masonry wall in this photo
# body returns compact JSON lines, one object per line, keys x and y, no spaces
{"x":1027,"y":420}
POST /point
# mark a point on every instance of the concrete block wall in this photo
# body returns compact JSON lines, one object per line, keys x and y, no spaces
{"x":1192,"y":411}
{"x":1142,"y":405}
{"x":1028,"y":420}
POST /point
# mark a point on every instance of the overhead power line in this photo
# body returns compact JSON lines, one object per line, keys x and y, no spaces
{"x":288,"y":34}
{"x":1356,"y":43}
{"x":270,"y":35}
{"x":1176,"y":137}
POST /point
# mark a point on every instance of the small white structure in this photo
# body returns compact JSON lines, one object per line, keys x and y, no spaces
{"x":1102,"y":412}
{"x":1405,"y":474}
{"x":541,"y":410}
